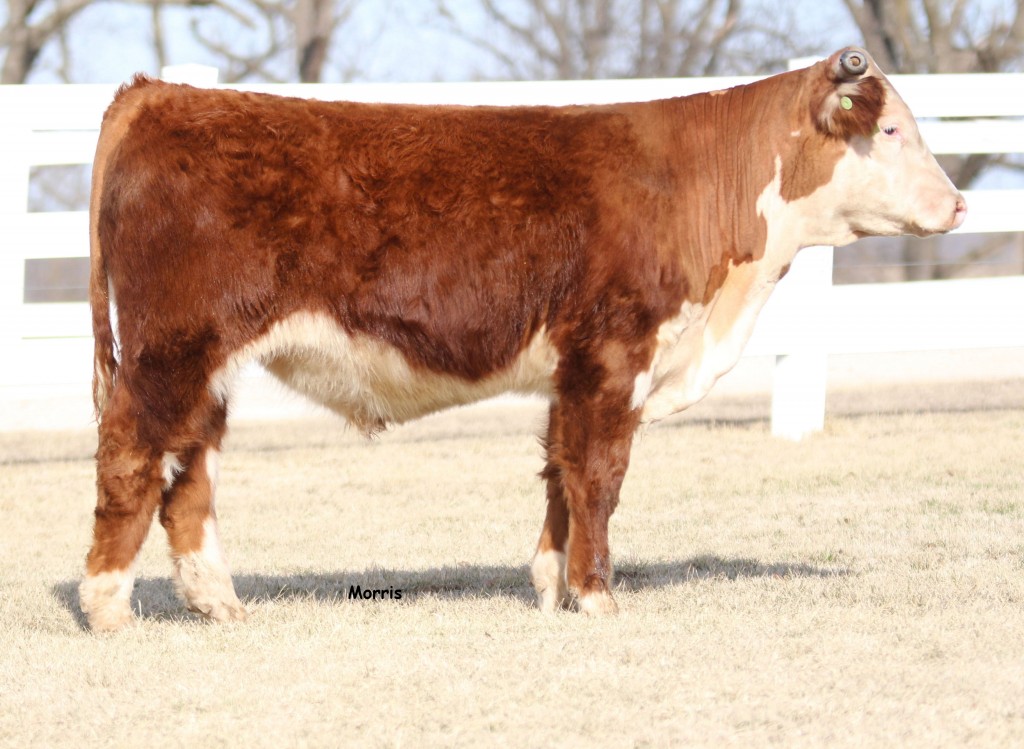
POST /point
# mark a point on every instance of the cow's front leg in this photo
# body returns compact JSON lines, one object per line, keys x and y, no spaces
{"x":590,"y":462}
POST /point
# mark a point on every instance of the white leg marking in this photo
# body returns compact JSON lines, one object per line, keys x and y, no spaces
{"x":598,"y":604}
{"x":203,"y":579}
{"x":212,"y":472}
{"x":548,"y":574}
{"x":105,"y":599}
{"x":171,"y":468}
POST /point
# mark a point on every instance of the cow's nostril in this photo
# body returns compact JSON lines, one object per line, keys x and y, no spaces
{"x":959,"y":212}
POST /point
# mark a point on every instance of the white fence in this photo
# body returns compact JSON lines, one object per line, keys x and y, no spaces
{"x":46,"y":349}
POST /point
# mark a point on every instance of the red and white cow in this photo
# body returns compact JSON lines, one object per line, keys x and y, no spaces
{"x":389,"y":261}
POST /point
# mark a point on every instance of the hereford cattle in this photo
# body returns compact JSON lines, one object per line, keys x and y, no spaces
{"x":388,"y":261}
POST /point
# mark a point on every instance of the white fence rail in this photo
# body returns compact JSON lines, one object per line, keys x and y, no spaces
{"x":46,"y":348}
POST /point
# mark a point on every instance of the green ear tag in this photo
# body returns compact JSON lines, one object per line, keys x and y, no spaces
{"x":846,"y":103}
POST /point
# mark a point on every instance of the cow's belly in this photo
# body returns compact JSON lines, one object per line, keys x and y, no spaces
{"x":370,"y":382}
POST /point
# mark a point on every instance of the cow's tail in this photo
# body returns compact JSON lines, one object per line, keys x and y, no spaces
{"x":104,"y":359}
{"x":116,"y":121}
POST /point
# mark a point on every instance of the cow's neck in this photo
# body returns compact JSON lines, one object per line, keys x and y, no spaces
{"x":733,"y":231}
{"x":717,"y":173}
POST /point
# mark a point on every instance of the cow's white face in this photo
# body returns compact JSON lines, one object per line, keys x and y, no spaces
{"x":891,"y":184}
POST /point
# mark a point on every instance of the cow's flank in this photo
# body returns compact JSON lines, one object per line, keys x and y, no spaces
{"x":389,"y":261}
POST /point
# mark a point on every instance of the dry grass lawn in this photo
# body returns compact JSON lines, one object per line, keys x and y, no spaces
{"x":862,"y":588}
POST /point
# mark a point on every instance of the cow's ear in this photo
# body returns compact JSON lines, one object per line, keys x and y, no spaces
{"x":851,"y":97}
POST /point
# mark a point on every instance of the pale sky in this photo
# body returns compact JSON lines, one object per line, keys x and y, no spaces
{"x":395,"y":40}
{"x":391,"y":40}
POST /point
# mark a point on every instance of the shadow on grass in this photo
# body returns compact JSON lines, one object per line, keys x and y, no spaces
{"x":639,"y":575}
{"x":154,"y":599}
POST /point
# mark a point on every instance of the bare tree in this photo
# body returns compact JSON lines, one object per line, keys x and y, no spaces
{"x":569,"y":39}
{"x":284,"y":39}
{"x":23,"y":40}
{"x":315,"y":23}
{"x":945,"y":36}
{"x":31,"y":26}
{"x":942,"y":36}
{"x":25,"y":33}
{"x":274,"y":40}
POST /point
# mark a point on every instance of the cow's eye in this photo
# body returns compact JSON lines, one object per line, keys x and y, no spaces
{"x":890,"y":130}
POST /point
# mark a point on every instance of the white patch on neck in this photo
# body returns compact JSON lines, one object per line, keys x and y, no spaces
{"x":782,"y":241}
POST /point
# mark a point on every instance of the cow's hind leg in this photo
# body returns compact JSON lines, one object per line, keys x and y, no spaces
{"x":548,"y":569}
{"x":128,"y":481}
{"x":202,"y":575}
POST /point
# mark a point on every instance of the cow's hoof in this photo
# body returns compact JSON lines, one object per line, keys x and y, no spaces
{"x":105,"y":599}
{"x":550,"y":600}
{"x":221,"y":611}
{"x":109,"y":618}
{"x":548,"y":574}
{"x":598,"y":603}
{"x":204,"y":582}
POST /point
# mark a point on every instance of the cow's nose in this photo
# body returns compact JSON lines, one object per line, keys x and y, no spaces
{"x":960,"y":211}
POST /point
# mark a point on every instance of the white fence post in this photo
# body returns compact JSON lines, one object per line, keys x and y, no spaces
{"x":14,"y":179}
{"x":798,"y":394}
{"x":800,"y":376}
